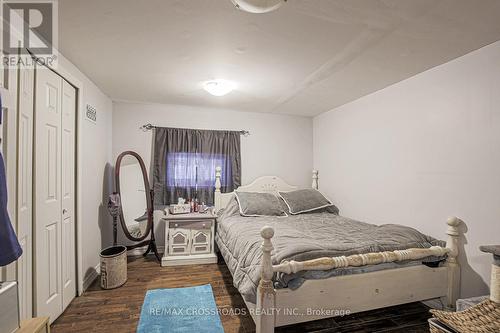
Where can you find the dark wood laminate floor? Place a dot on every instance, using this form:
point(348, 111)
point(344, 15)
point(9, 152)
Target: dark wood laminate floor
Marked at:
point(118, 310)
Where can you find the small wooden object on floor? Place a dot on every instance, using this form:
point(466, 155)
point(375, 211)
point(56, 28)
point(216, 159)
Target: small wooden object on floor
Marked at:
point(495, 271)
point(35, 325)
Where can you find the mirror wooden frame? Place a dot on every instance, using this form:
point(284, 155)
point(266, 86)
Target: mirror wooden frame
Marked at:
point(149, 206)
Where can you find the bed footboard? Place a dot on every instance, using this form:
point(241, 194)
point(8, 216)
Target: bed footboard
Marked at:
point(265, 310)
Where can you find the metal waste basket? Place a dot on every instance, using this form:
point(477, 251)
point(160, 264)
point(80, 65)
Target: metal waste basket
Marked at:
point(113, 267)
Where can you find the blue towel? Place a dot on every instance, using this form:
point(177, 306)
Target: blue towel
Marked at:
point(9, 245)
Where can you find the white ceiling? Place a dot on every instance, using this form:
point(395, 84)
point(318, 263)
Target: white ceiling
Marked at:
point(305, 58)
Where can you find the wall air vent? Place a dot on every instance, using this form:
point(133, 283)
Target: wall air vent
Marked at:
point(91, 113)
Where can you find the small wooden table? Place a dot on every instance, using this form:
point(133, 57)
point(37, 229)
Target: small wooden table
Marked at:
point(35, 325)
point(189, 239)
point(495, 271)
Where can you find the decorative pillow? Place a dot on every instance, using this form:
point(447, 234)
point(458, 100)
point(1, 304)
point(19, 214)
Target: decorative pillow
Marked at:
point(302, 201)
point(259, 204)
point(329, 209)
point(283, 205)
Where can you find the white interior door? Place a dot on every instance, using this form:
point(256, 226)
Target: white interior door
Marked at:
point(68, 193)
point(24, 189)
point(48, 206)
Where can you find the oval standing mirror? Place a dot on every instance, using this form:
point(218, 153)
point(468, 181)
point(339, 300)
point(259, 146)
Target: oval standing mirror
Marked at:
point(133, 187)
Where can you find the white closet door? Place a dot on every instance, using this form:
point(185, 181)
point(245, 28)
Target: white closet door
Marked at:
point(48, 254)
point(24, 188)
point(68, 193)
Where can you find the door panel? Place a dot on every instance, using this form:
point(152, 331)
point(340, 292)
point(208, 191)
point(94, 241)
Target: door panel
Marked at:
point(179, 241)
point(24, 278)
point(48, 206)
point(68, 192)
point(68, 243)
point(25, 185)
point(200, 241)
point(51, 160)
point(52, 260)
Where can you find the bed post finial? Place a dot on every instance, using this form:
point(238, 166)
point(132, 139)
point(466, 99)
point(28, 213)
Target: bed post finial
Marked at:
point(217, 203)
point(265, 307)
point(315, 180)
point(453, 233)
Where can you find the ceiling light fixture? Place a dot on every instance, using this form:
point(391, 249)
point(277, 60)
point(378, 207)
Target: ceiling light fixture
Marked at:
point(219, 87)
point(258, 6)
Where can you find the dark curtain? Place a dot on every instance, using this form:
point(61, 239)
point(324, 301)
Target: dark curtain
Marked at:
point(184, 162)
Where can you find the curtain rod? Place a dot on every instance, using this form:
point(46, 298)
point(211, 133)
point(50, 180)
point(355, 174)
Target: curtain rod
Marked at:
point(148, 127)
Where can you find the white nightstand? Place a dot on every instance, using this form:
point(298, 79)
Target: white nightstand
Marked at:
point(189, 239)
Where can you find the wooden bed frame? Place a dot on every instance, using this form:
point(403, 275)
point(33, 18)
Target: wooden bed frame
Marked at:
point(334, 296)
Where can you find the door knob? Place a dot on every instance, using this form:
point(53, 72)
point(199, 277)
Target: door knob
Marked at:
point(64, 211)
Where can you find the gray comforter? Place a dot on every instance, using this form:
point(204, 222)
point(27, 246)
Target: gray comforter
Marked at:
point(304, 237)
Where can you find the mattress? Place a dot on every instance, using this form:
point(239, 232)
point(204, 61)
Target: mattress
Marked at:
point(308, 236)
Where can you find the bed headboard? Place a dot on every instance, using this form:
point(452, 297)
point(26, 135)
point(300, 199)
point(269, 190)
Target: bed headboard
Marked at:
point(269, 184)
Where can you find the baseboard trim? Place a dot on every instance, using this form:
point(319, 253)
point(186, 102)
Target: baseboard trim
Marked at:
point(140, 251)
point(91, 277)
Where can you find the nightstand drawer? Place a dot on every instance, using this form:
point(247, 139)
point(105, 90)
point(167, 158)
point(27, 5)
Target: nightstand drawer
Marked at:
point(200, 241)
point(191, 224)
point(199, 249)
point(179, 250)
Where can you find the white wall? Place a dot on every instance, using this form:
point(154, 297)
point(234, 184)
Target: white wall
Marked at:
point(278, 144)
point(420, 151)
point(94, 168)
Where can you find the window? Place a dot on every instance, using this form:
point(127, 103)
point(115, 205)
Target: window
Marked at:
point(196, 170)
point(184, 164)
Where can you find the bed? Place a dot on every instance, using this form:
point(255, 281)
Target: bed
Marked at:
point(283, 285)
